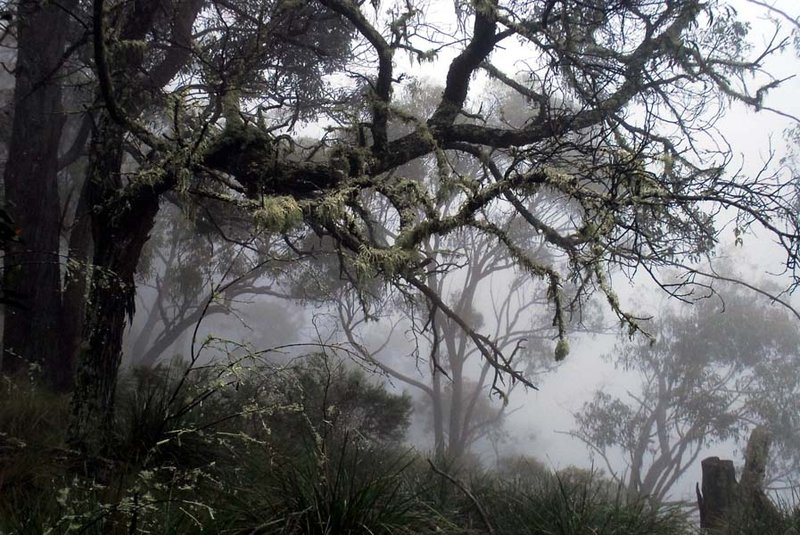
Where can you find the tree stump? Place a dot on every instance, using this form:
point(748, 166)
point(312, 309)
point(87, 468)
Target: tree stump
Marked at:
point(719, 492)
point(723, 502)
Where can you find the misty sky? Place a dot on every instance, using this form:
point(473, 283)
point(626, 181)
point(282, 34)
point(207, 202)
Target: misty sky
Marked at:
point(539, 419)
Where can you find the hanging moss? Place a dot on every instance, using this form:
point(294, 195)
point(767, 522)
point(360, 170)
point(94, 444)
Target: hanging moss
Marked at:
point(562, 349)
point(278, 214)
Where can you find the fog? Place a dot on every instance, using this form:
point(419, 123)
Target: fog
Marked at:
point(574, 301)
point(537, 422)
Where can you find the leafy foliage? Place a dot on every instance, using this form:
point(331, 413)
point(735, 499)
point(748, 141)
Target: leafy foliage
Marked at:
point(340, 401)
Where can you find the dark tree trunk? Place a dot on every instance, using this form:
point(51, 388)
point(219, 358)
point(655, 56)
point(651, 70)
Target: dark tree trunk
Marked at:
point(121, 222)
point(725, 504)
point(119, 230)
point(112, 292)
point(32, 267)
point(718, 492)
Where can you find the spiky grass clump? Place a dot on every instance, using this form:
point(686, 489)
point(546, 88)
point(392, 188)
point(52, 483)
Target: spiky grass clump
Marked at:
point(574, 506)
point(32, 456)
point(348, 486)
point(191, 462)
point(782, 517)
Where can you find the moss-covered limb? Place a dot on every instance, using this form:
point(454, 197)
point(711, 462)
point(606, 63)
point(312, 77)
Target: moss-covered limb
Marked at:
point(278, 213)
point(555, 290)
point(336, 215)
point(389, 261)
point(527, 182)
point(251, 156)
point(409, 197)
point(464, 216)
point(631, 321)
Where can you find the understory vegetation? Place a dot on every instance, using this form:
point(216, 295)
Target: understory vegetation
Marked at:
point(292, 448)
point(225, 449)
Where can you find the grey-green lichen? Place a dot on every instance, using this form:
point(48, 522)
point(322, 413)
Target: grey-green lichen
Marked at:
point(277, 213)
point(333, 206)
point(562, 349)
point(389, 261)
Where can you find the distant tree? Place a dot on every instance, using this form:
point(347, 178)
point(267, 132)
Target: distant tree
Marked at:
point(715, 370)
point(462, 399)
point(202, 264)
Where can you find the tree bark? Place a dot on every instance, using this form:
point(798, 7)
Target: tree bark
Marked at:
point(112, 291)
point(718, 492)
point(32, 266)
point(121, 223)
point(724, 504)
point(119, 230)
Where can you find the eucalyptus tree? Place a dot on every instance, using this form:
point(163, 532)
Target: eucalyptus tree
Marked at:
point(207, 98)
point(32, 264)
point(404, 336)
point(204, 261)
point(142, 57)
point(717, 369)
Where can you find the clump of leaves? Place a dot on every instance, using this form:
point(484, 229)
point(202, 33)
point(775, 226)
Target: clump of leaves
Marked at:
point(336, 400)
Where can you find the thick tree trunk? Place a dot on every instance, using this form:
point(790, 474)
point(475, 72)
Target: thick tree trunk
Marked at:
point(718, 492)
point(112, 292)
point(32, 267)
point(121, 223)
point(120, 230)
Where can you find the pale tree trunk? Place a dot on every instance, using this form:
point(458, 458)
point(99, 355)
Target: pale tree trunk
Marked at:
point(456, 446)
point(438, 416)
point(77, 278)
